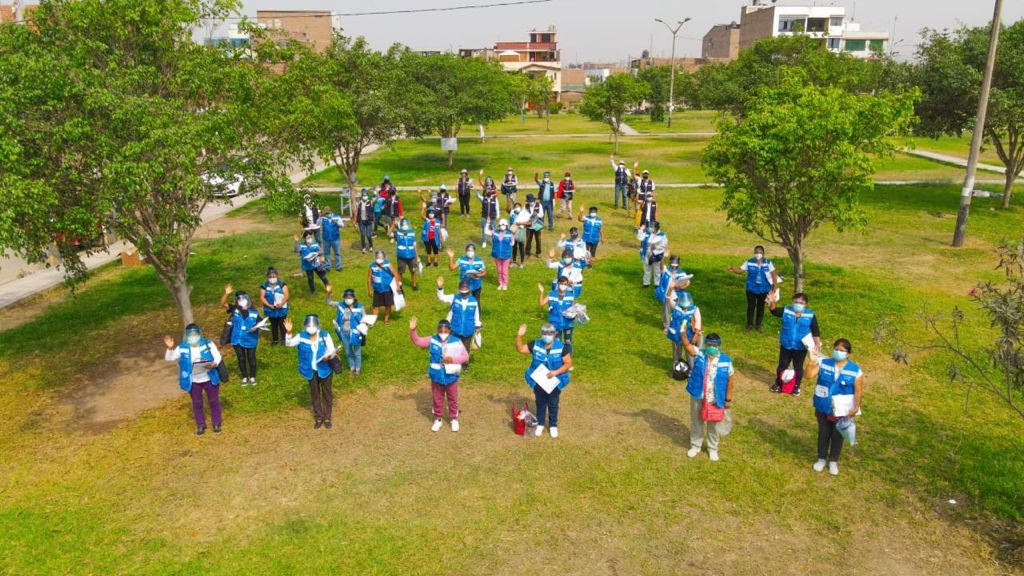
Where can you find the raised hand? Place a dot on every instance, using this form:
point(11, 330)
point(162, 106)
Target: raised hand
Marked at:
point(287, 325)
point(412, 323)
point(450, 253)
point(551, 251)
point(440, 282)
point(522, 330)
point(228, 289)
point(168, 341)
point(540, 287)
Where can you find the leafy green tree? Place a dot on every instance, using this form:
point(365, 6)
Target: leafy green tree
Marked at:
point(541, 96)
point(949, 75)
point(657, 80)
point(609, 101)
point(113, 117)
point(519, 92)
point(800, 157)
point(448, 91)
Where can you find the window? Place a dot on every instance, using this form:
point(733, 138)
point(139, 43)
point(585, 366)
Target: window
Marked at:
point(833, 44)
point(836, 21)
point(791, 24)
point(817, 24)
point(856, 45)
point(877, 46)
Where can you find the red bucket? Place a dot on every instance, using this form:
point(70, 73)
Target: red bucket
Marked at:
point(518, 422)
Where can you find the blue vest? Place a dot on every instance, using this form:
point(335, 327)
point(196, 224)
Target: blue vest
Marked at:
point(424, 232)
point(556, 307)
point(436, 369)
point(828, 385)
point(464, 316)
point(241, 326)
point(551, 358)
point(270, 295)
point(308, 263)
point(185, 364)
point(305, 349)
point(405, 245)
point(592, 229)
point(355, 317)
point(757, 279)
point(661, 290)
point(645, 187)
point(381, 277)
point(675, 325)
point(474, 265)
point(501, 245)
point(330, 228)
point(546, 191)
point(489, 208)
point(794, 330)
point(695, 386)
point(620, 176)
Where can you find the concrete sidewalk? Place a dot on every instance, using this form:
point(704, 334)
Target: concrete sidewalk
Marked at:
point(954, 160)
point(36, 282)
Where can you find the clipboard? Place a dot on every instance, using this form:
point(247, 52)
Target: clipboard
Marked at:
point(540, 376)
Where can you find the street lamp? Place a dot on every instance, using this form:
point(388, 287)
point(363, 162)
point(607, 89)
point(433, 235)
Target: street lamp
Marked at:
point(672, 78)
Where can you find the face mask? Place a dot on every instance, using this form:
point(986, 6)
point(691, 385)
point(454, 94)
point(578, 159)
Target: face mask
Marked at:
point(798, 308)
point(503, 227)
point(674, 266)
point(470, 253)
point(518, 208)
point(593, 214)
point(566, 261)
point(574, 235)
point(711, 350)
point(192, 339)
point(443, 335)
point(758, 255)
point(242, 303)
point(562, 287)
point(547, 338)
point(309, 242)
point(405, 226)
point(546, 179)
point(272, 281)
point(464, 294)
point(380, 261)
point(311, 330)
point(839, 355)
point(349, 301)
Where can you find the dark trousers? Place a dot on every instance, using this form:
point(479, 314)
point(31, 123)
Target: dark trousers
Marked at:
point(549, 207)
point(246, 361)
point(366, 235)
point(212, 397)
point(376, 221)
point(520, 249)
point(797, 357)
point(322, 392)
point(464, 204)
point(277, 329)
point(565, 335)
point(830, 441)
point(547, 406)
point(309, 278)
point(592, 248)
point(467, 341)
point(755, 301)
point(531, 236)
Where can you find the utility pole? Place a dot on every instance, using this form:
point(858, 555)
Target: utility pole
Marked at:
point(979, 130)
point(672, 78)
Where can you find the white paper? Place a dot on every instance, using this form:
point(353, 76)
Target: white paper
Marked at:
point(278, 298)
point(540, 376)
point(842, 404)
point(261, 323)
point(808, 342)
point(370, 319)
point(453, 368)
point(478, 339)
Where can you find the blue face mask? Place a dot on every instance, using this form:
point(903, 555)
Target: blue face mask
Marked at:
point(548, 338)
point(799, 308)
point(839, 355)
point(711, 350)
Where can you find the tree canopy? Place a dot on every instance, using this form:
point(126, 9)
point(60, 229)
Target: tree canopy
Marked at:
point(609, 101)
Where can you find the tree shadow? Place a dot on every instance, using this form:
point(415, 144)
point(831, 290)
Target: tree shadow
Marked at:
point(665, 425)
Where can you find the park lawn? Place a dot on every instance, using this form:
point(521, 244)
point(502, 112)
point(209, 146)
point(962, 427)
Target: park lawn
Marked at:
point(682, 121)
point(563, 123)
point(959, 146)
point(615, 494)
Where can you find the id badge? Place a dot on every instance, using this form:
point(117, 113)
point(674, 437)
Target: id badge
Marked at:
point(821, 391)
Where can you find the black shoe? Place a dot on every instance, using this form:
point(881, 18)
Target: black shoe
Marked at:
point(775, 388)
point(327, 424)
point(796, 391)
point(758, 327)
point(748, 328)
point(216, 429)
point(317, 425)
point(201, 430)
point(415, 288)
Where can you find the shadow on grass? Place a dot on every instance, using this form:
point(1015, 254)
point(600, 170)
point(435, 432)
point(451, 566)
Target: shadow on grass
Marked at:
point(668, 426)
point(422, 399)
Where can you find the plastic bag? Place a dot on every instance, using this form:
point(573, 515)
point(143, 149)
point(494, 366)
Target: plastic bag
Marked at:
point(725, 426)
point(848, 429)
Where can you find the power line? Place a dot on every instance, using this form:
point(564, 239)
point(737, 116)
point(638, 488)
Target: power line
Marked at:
point(408, 11)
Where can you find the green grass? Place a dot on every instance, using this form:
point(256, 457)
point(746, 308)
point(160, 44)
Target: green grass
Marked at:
point(682, 121)
point(959, 146)
point(379, 494)
point(563, 123)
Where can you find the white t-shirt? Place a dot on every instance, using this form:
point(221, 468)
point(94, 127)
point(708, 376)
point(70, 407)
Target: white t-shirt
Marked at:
point(767, 273)
point(710, 368)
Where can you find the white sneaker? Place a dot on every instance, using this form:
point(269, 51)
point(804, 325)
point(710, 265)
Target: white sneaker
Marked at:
point(485, 245)
point(252, 382)
point(692, 452)
point(554, 431)
point(245, 381)
point(539, 431)
point(833, 468)
point(437, 425)
point(819, 465)
point(455, 425)
point(713, 454)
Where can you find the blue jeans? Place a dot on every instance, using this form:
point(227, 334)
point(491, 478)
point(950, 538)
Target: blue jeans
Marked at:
point(622, 189)
point(549, 207)
point(547, 405)
point(353, 352)
point(366, 235)
point(333, 246)
point(483, 230)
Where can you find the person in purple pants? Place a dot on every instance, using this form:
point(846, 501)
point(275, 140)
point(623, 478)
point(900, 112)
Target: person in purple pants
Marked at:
point(198, 359)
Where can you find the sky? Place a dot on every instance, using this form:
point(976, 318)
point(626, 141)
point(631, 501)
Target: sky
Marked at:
point(614, 30)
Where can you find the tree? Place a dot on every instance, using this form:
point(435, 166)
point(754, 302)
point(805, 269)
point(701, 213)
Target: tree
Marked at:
point(448, 91)
point(519, 92)
point(657, 80)
point(949, 75)
point(114, 118)
point(541, 96)
point(610, 100)
point(800, 157)
point(996, 367)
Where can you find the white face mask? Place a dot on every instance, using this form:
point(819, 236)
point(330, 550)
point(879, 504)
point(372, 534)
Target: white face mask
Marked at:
point(349, 301)
point(380, 261)
point(470, 253)
point(192, 339)
point(272, 281)
point(758, 255)
point(503, 227)
point(443, 336)
point(405, 226)
point(593, 214)
point(562, 287)
point(243, 303)
point(311, 330)
point(309, 241)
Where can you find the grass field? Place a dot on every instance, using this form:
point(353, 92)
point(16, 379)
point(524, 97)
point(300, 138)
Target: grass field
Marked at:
point(91, 485)
point(682, 121)
point(954, 146)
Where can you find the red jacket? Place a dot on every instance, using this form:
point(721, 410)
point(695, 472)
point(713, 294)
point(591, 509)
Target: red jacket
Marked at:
point(562, 187)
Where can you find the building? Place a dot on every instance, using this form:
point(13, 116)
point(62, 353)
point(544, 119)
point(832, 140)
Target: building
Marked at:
point(10, 12)
point(538, 56)
point(721, 42)
point(313, 27)
point(574, 84)
point(685, 64)
point(233, 38)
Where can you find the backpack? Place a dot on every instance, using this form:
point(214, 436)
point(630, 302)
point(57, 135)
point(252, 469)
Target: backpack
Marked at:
point(681, 371)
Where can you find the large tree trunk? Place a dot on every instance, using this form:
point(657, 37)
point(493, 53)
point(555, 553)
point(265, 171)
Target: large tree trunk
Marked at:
point(796, 256)
point(547, 116)
point(182, 293)
point(616, 134)
point(451, 159)
point(1011, 179)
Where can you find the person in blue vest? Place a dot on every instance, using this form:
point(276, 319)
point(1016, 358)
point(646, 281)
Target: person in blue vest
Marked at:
point(379, 280)
point(348, 316)
point(673, 280)
point(556, 357)
point(710, 381)
point(837, 375)
point(405, 251)
point(274, 296)
point(683, 323)
point(431, 234)
point(646, 208)
point(568, 267)
point(315, 349)
point(378, 210)
point(330, 226)
point(447, 356)
point(798, 322)
point(502, 241)
point(471, 269)
point(546, 190)
point(488, 206)
point(310, 259)
point(622, 178)
point(593, 232)
point(574, 243)
point(245, 324)
point(464, 313)
point(559, 300)
point(653, 244)
point(197, 359)
point(443, 204)
point(761, 281)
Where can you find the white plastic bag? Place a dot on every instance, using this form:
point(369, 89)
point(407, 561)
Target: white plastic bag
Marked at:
point(399, 301)
point(725, 426)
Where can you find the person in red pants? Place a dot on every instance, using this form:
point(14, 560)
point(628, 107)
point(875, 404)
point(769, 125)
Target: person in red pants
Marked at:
point(447, 355)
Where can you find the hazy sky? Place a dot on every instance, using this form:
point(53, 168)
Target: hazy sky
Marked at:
point(612, 30)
